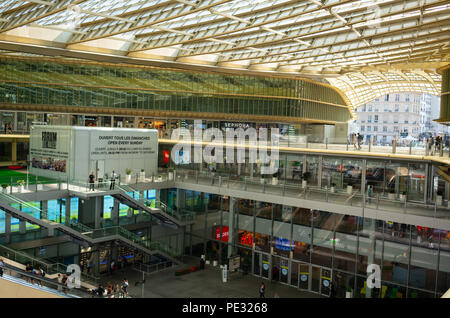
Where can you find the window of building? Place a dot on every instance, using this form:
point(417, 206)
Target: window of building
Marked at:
point(406, 121)
point(362, 128)
point(384, 128)
point(386, 98)
point(376, 119)
point(363, 108)
point(406, 108)
point(397, 97)
point(396, 128)
point(396, 108)
point(407, 98)
point(369, 128)
point(375, 128)
point(370, 108)
point(369, 119)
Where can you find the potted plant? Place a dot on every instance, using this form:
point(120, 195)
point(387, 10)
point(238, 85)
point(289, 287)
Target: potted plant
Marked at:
point(439, 197)
point(391, 194)
point(170, 174)
point(349, 188)
point(4, 188)
point(142, 175)
point(159, 178)
point(21, 185)
point(332, 189)
point(403, 196)
point(275, 178)
point(348, 293)
point(128, 175)
point(305, 177)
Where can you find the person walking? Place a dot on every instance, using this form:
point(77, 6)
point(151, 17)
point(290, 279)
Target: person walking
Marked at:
point(113, 180)
point(332, 290)
point(262, 290)
point(91, 181)
point(59, 280)
point(125, 287)
point(360, 139)
point(1, 267)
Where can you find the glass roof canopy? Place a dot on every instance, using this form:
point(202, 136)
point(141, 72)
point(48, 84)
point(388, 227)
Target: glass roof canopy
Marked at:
point(366, 48)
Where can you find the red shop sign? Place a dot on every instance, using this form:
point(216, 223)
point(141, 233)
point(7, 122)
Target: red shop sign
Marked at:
point(225, 233)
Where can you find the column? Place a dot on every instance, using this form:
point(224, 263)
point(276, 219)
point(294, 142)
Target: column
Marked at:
point(22, 224)
point(67, 211)
point(98, 212)
point(96, 260)
point(115, 212)
point(44, 216)
point(14, 150)
point(141, 200)
point(231, 225)
point(369, 226)
point(8, 228)
point(157, 195)
point(319, 172)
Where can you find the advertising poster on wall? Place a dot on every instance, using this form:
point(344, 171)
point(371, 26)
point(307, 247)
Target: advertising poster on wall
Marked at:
point(49, 151)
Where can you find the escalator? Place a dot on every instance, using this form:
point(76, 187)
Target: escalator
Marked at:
point(162, 212)
point(51, 269)
point(81, 233)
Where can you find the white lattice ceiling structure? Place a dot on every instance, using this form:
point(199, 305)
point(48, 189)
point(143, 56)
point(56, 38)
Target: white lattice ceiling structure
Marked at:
point(366, 48)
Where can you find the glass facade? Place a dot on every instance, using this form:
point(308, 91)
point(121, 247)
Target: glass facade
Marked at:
point(65, 85)
point(308, 249)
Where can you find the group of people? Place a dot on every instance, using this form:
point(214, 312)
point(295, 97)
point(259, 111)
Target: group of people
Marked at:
point(91, 180)
point(38, 272)
point(357, 140)
point(111, 291)
point(8, 128)
point(434, 144)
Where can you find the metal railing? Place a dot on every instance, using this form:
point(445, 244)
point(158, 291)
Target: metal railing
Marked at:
point(49, 268)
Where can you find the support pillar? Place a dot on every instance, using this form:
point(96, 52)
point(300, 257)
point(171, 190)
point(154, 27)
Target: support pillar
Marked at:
point(231, 226)
point(14, 151)
point(115, 212)
point(67, 211)
point(22, 224)
point(44, 216)
point(98, 212)
point(8, 228)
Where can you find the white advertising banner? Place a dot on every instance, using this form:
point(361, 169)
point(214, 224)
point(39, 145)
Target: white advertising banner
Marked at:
point(113, 145)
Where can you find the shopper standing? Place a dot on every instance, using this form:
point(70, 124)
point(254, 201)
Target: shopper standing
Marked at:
point(113, 180)
point(91, 181)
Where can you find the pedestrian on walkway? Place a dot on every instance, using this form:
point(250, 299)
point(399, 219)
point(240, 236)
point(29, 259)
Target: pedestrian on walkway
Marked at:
point(91, 181)
point(113, 180)
point(332, 290)
point(360, 140)
point(262, 290)
point(1, 267)
point(125, 287)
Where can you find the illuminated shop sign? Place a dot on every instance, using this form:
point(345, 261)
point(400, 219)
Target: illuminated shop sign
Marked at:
point(283, 244)
point(246, 239)
point(225, 233)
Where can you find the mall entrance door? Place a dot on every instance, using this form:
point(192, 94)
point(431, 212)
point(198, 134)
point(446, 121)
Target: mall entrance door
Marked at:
point(262, 265)
point(280, 269)
point(312, 278)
